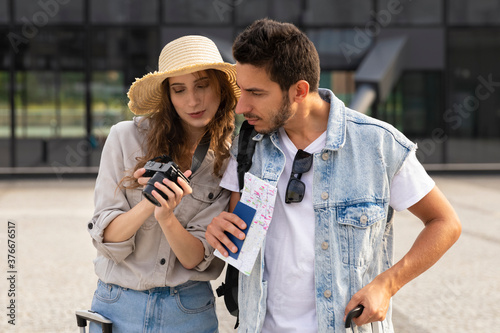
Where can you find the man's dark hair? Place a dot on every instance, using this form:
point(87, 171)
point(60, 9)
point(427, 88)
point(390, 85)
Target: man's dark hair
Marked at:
point(286, 53)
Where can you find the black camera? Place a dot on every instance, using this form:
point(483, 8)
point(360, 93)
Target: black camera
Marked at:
point(165, 168)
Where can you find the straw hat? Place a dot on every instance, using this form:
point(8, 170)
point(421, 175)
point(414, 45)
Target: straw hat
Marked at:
point(181, 56)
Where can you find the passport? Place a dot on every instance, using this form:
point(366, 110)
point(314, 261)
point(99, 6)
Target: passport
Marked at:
point(246, 213)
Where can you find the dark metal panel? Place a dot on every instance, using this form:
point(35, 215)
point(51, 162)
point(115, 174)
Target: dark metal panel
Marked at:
point(426, 47)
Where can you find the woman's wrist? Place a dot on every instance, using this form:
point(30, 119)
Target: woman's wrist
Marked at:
point(167, 221)
point(147, 205)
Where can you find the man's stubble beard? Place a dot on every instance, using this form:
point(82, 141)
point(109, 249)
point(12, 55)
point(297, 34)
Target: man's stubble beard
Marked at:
point(279, 118)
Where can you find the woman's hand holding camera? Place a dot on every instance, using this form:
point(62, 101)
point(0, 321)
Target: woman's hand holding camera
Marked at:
point(174, 194)
point(170, 189)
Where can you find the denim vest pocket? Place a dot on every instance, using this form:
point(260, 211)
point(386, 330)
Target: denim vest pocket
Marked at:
point(361, 228)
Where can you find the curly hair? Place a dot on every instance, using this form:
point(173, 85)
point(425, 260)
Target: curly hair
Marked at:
point(166, 135)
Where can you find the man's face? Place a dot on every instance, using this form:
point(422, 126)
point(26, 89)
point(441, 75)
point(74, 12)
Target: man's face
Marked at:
point(262, 101)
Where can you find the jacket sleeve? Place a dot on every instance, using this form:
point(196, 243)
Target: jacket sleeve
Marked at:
point(109, 200)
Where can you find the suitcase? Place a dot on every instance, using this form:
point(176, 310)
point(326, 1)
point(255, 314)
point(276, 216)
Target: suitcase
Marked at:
point(354, 313)
point(82, 316)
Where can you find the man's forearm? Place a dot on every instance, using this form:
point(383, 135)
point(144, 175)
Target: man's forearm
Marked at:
point(434, 240)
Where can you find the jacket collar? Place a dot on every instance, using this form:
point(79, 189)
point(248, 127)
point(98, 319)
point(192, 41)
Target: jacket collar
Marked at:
point(336, 129)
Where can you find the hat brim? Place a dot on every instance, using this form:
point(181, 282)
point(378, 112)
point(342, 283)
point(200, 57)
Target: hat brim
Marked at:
point(145, 93)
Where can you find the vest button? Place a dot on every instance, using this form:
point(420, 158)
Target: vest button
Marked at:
point(324, 195)
point(324, 245)
point(210, 195)
point(327, 294)
point(162, 261)
point(363, 219)
point(324, 156)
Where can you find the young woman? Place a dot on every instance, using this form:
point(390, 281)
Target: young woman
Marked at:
point(153, 262)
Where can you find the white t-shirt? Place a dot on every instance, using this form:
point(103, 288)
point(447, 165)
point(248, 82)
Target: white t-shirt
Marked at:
point(291, 305)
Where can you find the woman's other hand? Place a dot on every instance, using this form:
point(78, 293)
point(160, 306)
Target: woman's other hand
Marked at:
point(138, 175)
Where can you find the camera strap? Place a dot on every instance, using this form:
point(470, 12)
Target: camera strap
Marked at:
point(200, 152)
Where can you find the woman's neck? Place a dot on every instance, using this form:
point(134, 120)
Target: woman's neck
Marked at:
point(194, 136)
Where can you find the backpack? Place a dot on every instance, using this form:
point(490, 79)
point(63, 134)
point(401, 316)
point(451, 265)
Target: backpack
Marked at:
point(246, 148)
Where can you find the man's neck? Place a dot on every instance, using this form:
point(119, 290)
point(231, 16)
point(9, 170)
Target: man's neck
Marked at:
point(309, 121)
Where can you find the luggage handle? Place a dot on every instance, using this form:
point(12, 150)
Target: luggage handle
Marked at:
point(83, 315)
point(355, 313)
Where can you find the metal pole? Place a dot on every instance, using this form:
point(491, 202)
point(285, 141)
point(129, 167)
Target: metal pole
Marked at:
point(12, 86)
point(88, 76)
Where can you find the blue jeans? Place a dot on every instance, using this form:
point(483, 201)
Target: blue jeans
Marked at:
point(189, 307)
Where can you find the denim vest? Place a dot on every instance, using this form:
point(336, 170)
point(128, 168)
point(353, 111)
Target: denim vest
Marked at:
point(353, 219)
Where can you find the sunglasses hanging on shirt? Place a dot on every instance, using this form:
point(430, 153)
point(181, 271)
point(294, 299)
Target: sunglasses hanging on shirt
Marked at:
point(296, 188)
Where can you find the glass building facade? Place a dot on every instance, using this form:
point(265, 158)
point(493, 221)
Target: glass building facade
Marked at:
point(66, 66)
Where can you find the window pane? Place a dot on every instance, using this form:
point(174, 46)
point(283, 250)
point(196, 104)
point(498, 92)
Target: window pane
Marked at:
point(409, 12)
point(50, 104)
point(473, 115)
point(422, 103)
point(109, 101)
point(337, 12)
point(5, 48)
point(4, 105)
point(71, 49)
point(124, 11)
point(53, 49)
point(474, 12)
point(37, 14)
point(287, 10)
point(143, 51)
point(198, 11)
point(40, 52)
point(36, 104)
point(340, 49)
point(415, 107)
point(250, 10)
point(71, 118)
point(340, 82)
point(108, 48)
point(4, 11)
point(133, 51)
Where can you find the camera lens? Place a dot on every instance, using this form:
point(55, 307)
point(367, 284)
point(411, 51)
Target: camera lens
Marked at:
point(158, 177)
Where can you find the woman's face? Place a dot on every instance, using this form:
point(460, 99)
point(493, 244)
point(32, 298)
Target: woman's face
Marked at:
point(195, 99)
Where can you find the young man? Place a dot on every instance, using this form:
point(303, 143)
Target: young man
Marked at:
point(339, 176)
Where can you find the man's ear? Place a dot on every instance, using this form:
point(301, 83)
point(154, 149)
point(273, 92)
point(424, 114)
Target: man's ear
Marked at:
point(300, 91)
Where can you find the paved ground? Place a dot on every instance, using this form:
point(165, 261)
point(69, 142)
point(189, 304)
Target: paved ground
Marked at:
point(54, 273)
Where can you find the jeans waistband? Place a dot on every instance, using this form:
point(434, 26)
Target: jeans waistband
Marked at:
point(173, 290)
point(160, 290)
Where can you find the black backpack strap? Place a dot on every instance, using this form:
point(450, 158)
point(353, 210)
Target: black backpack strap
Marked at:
point(246, 147)
point(200, 152)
